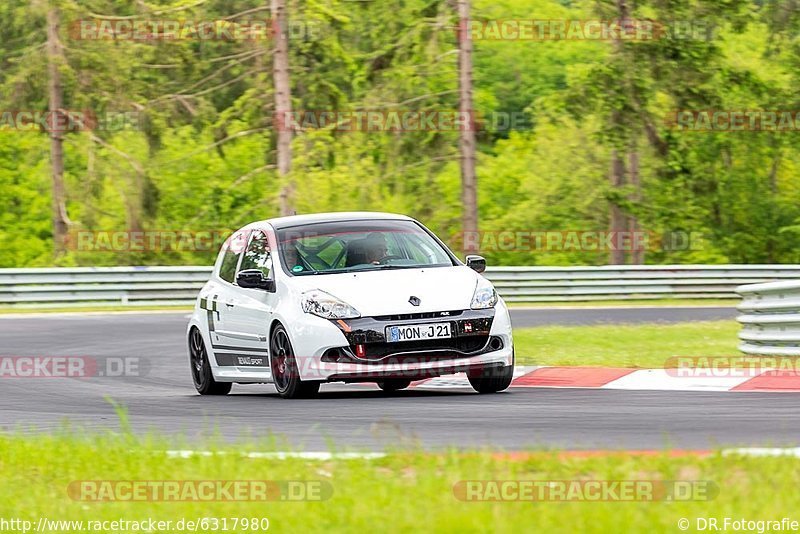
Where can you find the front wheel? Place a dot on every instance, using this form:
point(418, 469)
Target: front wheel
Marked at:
point(394, 384)
point(492, 380)
point(202, 377)
point(285, 374)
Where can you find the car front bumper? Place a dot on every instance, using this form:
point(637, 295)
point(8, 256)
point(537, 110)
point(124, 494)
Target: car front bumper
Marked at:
point(481, 342)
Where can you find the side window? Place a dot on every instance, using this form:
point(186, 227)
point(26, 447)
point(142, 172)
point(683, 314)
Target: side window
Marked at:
point(233, 249)
point(257, 255)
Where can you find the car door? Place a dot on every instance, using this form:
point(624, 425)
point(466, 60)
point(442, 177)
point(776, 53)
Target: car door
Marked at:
point(249, 311)
point(220, 296)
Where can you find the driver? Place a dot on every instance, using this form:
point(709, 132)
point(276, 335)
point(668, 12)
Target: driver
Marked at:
point(375, 247)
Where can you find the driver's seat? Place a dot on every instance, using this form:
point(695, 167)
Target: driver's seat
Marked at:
point(356, 253)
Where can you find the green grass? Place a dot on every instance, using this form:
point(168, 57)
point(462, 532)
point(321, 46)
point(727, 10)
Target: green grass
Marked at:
point(403, 492)
point(640, 345)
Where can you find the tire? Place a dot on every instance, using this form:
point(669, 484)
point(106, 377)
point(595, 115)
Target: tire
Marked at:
point(285, 374)
point(492, 380)
point(202, 377)
point(394, 384)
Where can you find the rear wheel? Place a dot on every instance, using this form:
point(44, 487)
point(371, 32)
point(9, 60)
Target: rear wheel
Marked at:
point(285, 373)
point(394, 384)
point(202, 377)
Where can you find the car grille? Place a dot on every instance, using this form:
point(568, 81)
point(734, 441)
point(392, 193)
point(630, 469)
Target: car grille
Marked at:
point(422, 315)
point(439, 348)
point(366, 337)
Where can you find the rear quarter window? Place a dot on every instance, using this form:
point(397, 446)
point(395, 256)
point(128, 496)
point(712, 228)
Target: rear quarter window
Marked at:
point(230, 257)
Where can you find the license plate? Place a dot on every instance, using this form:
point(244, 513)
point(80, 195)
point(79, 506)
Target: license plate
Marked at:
point(414, 332)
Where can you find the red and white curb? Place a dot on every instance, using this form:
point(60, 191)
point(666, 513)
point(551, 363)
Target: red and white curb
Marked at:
point(764, 380)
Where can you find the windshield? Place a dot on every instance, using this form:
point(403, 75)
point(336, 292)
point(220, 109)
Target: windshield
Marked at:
point(349, 246)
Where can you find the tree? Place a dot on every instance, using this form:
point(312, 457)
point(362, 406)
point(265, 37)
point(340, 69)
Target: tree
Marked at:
point(671, 66)
point(469, 186)
point(55, 58)
point(283, 104)
point(205, 155)
point(619, 221)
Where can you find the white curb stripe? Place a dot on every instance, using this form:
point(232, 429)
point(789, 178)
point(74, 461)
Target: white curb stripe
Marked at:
point(661, 380)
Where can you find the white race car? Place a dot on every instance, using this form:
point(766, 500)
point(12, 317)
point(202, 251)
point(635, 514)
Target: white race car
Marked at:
point(348, 297)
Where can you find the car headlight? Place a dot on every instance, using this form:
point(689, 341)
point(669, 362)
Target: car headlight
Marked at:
point(485, 296)
point(327, 306)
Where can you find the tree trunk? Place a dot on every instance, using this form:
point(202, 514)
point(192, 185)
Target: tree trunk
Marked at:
point(638, 251)
point(469, 193)
point(283, 104)
point(619, 220)
point(616, 215)
point(55, 56)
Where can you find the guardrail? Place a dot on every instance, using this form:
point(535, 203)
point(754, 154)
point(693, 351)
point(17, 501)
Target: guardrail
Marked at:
point(770, 319)
point(641, 282)
point(158, 286)
point(93, 286)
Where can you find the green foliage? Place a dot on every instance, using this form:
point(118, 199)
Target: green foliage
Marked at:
point(201, 153)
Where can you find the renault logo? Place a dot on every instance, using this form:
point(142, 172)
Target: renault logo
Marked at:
point(414, 300)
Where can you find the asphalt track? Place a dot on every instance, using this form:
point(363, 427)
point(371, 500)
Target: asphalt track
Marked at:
point(363, 418)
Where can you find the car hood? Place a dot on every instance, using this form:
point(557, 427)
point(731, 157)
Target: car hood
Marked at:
point(388, 292)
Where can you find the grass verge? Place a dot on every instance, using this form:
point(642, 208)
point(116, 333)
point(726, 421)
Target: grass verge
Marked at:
point(644, 303)
point(401, 492)
point(639, 345)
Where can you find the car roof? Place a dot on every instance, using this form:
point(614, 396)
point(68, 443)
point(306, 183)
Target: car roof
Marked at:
point(296, 220)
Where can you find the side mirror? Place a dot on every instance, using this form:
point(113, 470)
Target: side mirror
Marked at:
point(254, 279)
point(476, 263)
